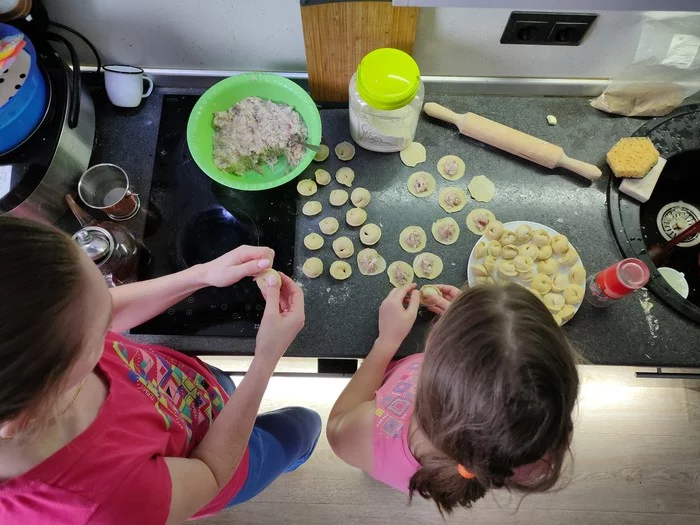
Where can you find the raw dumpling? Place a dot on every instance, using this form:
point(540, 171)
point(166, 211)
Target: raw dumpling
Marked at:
point(261, 278)
point(451, 167)
point(478, 219)
point(338, 197)
point(313, 267)
point(323, 154)
point(570, 257)
point(545, 252)
point(553, 301)
point(573, 294)
point(360, 197)
point(548, 266)
point(567, 312)
point(540, 237)
point(329, 225)
point(523, 233)
point(541, 283)
point(479, 270)
point(370, 262)
point(481, 189)
point(452, 199)
point(312, 208)
point(509, 251)
point(489, 263)
point(508, 237)
point(356, 217)
point(400, 273)
point(340, 270)
point(306, 187)
point(506, 269)
point(370, 234)
point(559, 282)
point(345, 176)
point(446, 231)
point(560, 244)
point(427, 265)
point(322, 177)
point(493, 248)
point(421, 184)
point(523, 263)
point(485, 280)
point(428, 294)
point(413, 239)
point(494, 230)
point(528, 275)
point(414, 154)
point(529, 250)
point(577, 274)
point(345, 151)
point(313, 241)
point(343, 247)
point(480, 250)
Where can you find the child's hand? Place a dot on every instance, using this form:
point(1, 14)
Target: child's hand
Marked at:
point(449, 294)
point(233, 266)
point(395, 319)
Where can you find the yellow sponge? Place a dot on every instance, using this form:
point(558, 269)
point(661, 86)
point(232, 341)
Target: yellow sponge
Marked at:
point(632, 157)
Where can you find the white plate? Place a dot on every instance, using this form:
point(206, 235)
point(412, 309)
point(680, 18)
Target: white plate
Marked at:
point(512, 225)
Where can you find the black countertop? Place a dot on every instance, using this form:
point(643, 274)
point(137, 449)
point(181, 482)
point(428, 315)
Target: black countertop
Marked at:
point(341, 316)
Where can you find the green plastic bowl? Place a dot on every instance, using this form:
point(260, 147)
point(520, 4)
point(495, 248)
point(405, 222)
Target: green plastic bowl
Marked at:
point(223, 95)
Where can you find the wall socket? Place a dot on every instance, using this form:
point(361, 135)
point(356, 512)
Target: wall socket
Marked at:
point(547, 29)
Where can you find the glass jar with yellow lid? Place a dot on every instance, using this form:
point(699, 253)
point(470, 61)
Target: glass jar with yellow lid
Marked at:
point(386, 98)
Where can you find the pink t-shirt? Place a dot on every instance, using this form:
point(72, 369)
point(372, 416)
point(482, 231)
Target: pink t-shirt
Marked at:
point(160, 404)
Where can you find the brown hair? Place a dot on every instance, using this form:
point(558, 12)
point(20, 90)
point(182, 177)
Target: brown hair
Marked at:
point(40, 279)
point(496, 392)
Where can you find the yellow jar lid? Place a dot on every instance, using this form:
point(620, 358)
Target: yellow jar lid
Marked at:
point(388, 78)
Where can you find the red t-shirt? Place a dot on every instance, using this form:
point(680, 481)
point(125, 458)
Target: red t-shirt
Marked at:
point(160, 404)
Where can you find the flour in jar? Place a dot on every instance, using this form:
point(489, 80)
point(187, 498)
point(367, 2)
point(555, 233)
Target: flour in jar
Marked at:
point(384, 131)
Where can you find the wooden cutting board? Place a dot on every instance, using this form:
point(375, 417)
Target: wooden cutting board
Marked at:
point(338, 34)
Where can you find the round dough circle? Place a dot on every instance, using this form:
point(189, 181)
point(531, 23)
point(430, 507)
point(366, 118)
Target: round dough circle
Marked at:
point(509, 252)
point(322, 177)
point(323, 154)
point(345, 151)
point(312, 208)
point(421, 184)
point(370, 262)
point(573, 294)
point(414, 154)
point(370, 234)
point(313, 241)
point(478, 219)
point(452, 199)
point(481, 189)
point(427, 265)
point(494, 230)
point(338, 197)
point(343, 247)
point(400, 273)
point(261, 278)
point(451, 167)
point(329, 225)
point(306, 187)
point(413, 239)
point(345, 176)
point(428, 294)
point(356, 216)
point(340, 270)
point(548, 266)
point(360, 197)
point(577, 274)
point(313, 267)
point(541, 283)
point(529, 250)
point(446, 231)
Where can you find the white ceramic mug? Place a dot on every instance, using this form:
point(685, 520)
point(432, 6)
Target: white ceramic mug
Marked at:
point(125, 85)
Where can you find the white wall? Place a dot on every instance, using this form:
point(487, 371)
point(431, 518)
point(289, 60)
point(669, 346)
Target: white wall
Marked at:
point(267, 35)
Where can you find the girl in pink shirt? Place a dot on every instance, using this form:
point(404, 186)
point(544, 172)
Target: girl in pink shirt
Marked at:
point(97, 429)
point(487, 405)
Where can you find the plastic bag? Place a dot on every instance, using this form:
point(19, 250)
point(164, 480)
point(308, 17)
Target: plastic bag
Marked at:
point(664, 73)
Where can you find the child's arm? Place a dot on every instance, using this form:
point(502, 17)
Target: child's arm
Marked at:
point(350, 421)
point(136, 303)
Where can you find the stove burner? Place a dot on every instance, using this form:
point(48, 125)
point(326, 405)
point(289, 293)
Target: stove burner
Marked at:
point(675, 217)
point(212, 233)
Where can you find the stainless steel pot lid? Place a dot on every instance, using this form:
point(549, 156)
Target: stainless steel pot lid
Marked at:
point(96, 242)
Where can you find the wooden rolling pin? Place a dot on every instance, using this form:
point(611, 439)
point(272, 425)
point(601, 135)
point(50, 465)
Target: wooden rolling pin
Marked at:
point(513, 141)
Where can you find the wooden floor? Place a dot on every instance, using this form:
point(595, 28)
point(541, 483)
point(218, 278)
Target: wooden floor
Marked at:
point(636, 461)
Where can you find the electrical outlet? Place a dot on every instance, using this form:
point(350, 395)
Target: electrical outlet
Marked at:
point(547, 29)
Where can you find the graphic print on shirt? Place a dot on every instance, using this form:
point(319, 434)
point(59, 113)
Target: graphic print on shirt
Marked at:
point(186, 394)
point(394, 410)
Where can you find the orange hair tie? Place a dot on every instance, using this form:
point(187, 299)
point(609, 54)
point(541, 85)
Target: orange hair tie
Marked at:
point(465, 473)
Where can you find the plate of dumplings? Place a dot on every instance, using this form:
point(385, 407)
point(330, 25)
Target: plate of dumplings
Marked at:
point(534, 256)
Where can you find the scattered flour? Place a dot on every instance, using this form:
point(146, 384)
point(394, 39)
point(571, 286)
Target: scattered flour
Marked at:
point(647, 305)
